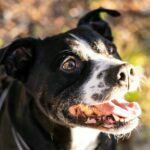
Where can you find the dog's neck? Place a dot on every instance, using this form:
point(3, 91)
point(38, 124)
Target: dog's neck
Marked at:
point(29, 130)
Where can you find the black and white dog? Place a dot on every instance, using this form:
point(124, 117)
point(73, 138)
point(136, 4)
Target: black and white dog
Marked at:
point(64, 90)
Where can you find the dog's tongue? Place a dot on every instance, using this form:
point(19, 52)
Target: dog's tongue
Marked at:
point(120, 108)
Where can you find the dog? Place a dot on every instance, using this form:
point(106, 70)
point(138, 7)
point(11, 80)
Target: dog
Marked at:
point(66, 92)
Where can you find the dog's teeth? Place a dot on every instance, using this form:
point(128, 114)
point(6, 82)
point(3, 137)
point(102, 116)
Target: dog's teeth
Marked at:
point(108, 125)
point(122, 120)
point(90, 121)
point(116, 118)
point(103, 118)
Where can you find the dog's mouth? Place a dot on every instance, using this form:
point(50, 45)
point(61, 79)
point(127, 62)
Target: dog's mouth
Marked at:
point(108, 115)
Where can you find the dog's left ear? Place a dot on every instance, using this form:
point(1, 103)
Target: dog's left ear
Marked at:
point(18, 57)
point(94, 20)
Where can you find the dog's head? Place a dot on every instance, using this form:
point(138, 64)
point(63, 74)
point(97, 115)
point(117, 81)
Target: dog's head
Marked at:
point(77, 78)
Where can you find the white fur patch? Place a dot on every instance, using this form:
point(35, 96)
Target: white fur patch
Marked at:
point(84, 138)
point(84, 50)
point(94, 82)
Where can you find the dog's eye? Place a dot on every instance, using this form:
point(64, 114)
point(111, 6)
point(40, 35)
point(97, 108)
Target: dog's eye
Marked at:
point(111, 49)
point(69, 65)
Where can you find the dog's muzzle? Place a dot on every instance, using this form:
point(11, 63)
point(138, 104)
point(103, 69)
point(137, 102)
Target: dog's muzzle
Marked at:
point(114, 112)
point(122, 75)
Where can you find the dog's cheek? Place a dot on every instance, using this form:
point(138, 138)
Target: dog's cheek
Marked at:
point(94, 89)
point(97, 87)
point(60, 82)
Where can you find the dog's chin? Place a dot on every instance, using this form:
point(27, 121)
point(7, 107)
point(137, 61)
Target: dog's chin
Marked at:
point(113, 116)
point(126, 128)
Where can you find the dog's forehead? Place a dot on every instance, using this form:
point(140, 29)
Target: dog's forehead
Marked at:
point(87, 43)
point(86, 50)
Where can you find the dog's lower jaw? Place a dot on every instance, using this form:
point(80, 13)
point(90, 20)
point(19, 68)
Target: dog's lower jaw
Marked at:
point(124, 130)
point(87, 138)
point(112, 117)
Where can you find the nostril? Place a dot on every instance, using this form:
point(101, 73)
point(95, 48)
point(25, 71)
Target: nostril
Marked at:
point(121, 76)
point(132, 73)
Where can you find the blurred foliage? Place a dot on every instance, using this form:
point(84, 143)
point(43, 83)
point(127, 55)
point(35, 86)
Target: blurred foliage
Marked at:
point(40, 18)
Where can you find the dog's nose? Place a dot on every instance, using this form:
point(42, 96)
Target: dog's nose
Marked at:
point(125, 73)
point(122, 74)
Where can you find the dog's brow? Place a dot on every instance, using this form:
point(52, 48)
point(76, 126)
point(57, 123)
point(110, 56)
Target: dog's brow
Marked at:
point(84, 50)
point(99, 46)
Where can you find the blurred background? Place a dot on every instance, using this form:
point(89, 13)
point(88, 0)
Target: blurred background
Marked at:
point(42, 18)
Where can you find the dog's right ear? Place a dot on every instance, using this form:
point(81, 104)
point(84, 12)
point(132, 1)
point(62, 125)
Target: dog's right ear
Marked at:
point(94, 20)
point(18, 57)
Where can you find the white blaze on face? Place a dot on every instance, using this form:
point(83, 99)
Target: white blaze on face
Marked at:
point(100, 64)
point(95, 84)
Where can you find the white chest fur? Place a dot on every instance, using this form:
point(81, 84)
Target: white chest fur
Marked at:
point(84, 138)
